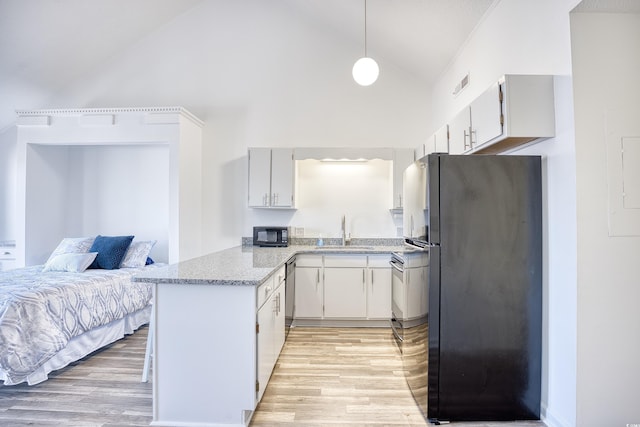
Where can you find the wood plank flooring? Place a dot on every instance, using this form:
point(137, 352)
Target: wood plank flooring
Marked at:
point(343, 377)
point(338, 376)
point(103, 389)
point(324, 377)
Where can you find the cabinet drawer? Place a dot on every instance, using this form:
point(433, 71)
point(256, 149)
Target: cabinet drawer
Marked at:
point(308, 260)
point(265, 290)
point(278, 277)
point(379, 261)
point(345, 260)
point(7, 252)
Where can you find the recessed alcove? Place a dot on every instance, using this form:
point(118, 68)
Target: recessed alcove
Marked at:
point(112, 172)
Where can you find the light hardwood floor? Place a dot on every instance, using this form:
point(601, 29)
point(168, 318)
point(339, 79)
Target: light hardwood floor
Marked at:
point(324, 377)
point(343, 377)
point(103, 389)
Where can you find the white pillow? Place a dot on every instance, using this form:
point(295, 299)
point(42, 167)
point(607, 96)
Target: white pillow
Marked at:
point(72, 245)
point(75, 263)
point(137, 254)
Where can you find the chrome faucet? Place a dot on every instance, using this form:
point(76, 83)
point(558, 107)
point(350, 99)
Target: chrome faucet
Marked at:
point(343, 242)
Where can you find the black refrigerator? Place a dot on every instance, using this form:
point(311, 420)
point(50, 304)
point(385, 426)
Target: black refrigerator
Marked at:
point(479, 356)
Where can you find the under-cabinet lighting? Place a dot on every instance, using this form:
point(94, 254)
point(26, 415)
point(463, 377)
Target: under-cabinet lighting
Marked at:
point(360, 160)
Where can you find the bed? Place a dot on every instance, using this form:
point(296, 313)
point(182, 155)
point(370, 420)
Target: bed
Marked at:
point(52, 317)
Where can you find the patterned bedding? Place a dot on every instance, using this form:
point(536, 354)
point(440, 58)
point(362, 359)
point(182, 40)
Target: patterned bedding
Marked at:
point(41, 311)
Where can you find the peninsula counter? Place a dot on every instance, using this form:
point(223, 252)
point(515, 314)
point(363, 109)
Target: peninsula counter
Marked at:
point(206, 364)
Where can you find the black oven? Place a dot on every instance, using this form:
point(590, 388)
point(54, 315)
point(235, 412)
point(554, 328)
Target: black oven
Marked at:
point(270, 236)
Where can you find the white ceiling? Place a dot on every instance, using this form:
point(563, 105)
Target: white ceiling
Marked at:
point(45, 44)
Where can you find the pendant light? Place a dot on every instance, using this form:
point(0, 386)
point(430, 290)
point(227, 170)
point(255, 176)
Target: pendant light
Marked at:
point(365, 70)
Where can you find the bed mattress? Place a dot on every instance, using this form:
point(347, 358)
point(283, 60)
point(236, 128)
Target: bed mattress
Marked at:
point(40, 312)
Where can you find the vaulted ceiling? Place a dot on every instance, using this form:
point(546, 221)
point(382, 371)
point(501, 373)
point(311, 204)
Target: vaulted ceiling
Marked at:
point(45, 45)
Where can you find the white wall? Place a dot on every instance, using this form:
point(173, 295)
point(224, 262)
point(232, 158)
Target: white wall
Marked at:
point(606, 64)
point(360, 191)
point(90, 190)
point(525, 37)
point(8, 184)
point(259, 74)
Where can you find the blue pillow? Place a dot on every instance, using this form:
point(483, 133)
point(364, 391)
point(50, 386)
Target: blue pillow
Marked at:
point(111, 251)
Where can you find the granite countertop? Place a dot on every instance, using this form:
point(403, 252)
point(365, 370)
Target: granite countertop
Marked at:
point(246, 265)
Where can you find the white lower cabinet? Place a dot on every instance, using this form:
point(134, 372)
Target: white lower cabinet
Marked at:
point(309, 287)
point(269, 329)
point(345, 290)
point(379, 287)
point(343, 287)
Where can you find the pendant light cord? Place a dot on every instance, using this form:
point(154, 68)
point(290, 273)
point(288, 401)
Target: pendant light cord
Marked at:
point(365, 28)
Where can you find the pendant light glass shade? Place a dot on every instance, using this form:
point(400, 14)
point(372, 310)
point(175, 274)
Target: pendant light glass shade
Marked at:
point(365, 71)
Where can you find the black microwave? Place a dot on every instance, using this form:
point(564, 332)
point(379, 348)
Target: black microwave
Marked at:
point(270, 236)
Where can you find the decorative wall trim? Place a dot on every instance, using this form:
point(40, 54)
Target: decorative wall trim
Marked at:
point(100, 111)
point(97, 120)
point(34, 120)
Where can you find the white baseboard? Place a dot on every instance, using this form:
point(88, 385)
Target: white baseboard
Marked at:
point(552, 420)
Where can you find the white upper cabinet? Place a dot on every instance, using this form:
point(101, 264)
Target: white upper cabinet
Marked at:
point(402, 158)
point(486, 116)
point(271, 178)
point(259, 176)
point(459, 132)
point(438, 142)
point(515, 110)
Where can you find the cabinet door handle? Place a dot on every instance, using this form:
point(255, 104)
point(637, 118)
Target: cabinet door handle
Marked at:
point(372, 278)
